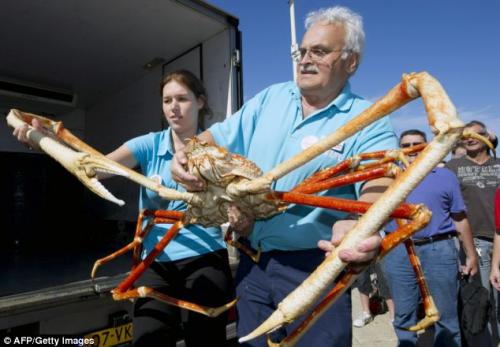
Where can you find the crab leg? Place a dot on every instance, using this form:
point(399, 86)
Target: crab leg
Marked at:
point(124, 290)
point(86, 162)
point(143, 265)
point(421, 217)
point(440, 110)
point(431, 311)
point(355, 162)
point(147, 292)
point(344, 205)
point(442, 116)
point(228, 238)
point(140, 232)
point(384, 170)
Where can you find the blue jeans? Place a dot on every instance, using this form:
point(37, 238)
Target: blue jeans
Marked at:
point(260, 287)
point(440, 264)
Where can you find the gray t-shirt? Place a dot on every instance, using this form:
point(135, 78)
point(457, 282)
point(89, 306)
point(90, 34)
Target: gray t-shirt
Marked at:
point(478, 184)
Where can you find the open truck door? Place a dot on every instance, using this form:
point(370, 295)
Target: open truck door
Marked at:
point(96, 66)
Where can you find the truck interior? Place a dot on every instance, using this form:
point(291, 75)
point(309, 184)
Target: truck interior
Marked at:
point(96, 66)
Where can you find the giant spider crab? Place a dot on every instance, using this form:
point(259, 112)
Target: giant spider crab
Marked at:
point(231, 179)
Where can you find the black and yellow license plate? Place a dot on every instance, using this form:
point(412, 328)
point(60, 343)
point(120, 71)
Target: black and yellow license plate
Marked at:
point(111, 337)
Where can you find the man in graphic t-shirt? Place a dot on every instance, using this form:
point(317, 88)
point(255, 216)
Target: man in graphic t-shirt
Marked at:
point(479, 175)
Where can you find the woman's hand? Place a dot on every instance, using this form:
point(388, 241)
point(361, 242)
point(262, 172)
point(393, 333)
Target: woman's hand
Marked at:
point(21, 133)
point(181, 176)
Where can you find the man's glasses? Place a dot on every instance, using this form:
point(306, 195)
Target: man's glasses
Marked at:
point(410, 144)
point(316, 54)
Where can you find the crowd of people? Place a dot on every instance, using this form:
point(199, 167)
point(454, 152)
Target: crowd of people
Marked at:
point(194, 266)
point(461, 241)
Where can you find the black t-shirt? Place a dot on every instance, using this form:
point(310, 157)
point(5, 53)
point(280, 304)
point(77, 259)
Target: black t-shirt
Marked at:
point(478, 184)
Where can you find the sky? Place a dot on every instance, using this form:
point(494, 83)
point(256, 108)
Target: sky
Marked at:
point(456, 41)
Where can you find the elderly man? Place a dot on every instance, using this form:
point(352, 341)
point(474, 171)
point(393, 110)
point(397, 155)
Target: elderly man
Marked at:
point(278, 123)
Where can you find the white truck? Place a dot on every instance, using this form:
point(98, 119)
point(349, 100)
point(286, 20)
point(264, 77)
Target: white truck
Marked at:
point(96, 66)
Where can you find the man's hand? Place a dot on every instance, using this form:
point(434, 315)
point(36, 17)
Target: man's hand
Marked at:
point(495, 277)
point(363, 252)
point(180, 175)
point(470, 268)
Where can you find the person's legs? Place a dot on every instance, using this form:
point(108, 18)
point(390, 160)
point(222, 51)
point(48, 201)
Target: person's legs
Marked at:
point(204, 280)
point(440, 264)
point(485, 249)
point(253, 288)
point(260, 288)
point(363, 283)
point(208, 282)
point(384, 290)
point(155, 322)
point(402, 284)
point(391, 308)
point(288, 270)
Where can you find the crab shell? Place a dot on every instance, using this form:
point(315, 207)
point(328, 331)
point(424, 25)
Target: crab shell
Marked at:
point(221, 170)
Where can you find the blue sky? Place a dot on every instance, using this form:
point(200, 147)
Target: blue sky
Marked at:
point(456, 41)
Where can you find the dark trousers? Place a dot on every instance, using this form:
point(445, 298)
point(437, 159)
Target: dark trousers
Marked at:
point(260, 287)
point(204, 280)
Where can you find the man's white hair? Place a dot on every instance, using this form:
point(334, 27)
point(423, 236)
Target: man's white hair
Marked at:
point(350, 20)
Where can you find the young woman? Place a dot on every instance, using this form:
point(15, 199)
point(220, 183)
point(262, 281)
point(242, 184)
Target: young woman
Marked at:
point(194, 266)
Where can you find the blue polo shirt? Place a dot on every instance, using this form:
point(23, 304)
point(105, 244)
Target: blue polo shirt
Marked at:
point(270, 129)
point(440, 192)
point(154, 153)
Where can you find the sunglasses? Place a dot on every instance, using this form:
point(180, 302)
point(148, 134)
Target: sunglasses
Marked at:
point(410, 144)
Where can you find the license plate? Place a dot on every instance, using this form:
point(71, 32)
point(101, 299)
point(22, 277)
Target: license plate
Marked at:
point(111, 337)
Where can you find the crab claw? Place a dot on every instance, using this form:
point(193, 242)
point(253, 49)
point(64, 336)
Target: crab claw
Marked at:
point(473, 135)
point(84, 166)
point(275, 321)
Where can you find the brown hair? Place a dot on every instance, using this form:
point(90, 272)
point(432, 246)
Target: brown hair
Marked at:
point(190, 81)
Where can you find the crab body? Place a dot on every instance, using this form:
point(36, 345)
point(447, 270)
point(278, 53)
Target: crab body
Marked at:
point(221, 171)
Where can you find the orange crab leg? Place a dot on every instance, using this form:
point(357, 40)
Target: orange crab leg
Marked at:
point(167, 217)
point(347, 164)
point(123, 291)
point(431, 312)
point(143, 265)
point(147, 292)
point(420, 219)
point(228, 238)
point(385, 170)
point(327, 174)
point(345, 205)
point(344, 282)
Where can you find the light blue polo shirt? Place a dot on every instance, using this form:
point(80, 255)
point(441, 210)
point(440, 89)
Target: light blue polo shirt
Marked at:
point(154, 153)
point(269, 129)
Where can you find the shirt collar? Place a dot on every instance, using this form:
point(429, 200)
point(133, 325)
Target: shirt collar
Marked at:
point(166, 145)
point(342, 102)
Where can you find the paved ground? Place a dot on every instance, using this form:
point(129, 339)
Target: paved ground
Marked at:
point(379, 333)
